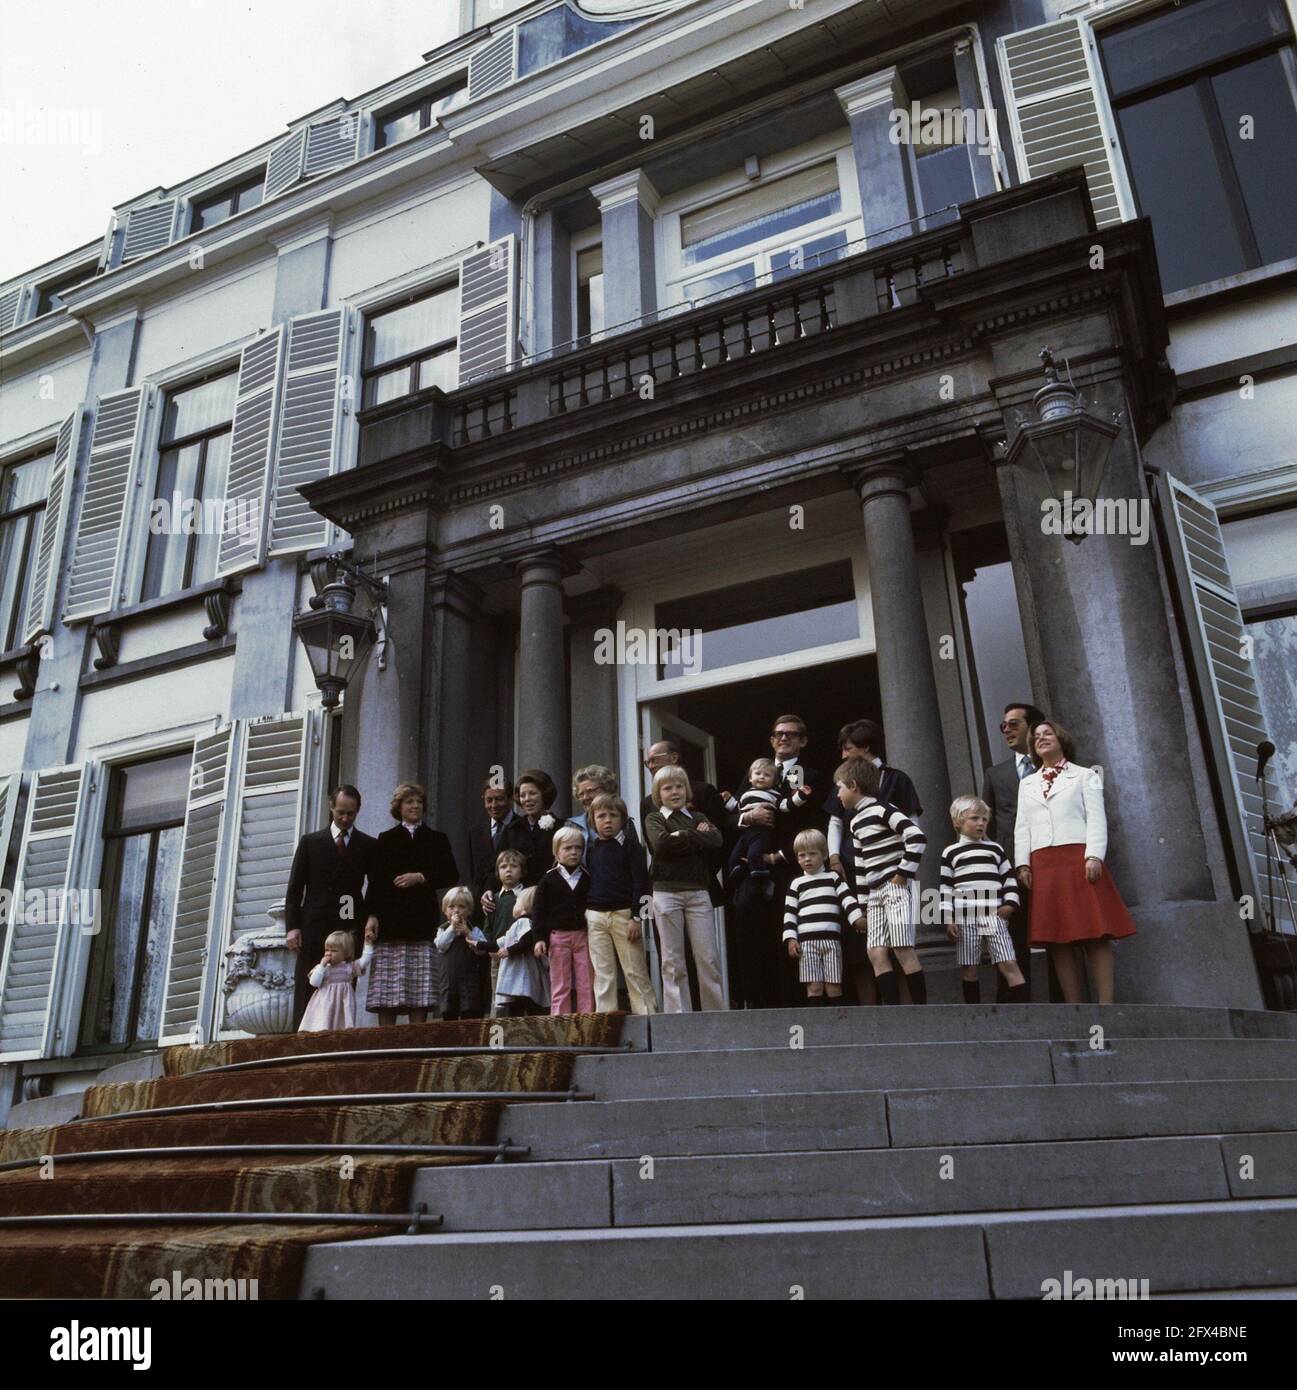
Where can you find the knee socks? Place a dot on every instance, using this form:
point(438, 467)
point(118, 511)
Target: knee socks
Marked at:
point(887, 990)
point(972, 991)
point(918, 987)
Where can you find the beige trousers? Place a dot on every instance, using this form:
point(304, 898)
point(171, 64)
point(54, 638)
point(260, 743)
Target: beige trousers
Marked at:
point(610, 942)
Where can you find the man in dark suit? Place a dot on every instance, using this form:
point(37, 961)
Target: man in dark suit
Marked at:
point(1000, 792)
point(486, 839)
point(327, 889)
point(769, 975)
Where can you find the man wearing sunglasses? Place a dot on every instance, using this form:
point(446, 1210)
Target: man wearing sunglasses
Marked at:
point(1000, 792)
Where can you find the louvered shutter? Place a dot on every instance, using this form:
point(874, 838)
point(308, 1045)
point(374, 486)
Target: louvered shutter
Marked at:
point(35, 948)
point(494, 65)
point(49, 553)
point(190, 973)
point(269, 819)
point(247, 487)
point(310, 426)
point(102, 523)
point(284, 167)
point(331, 144)
point(1059, 111)
point(487, 309)
point(1222, 666)
point(13, 307)
point(149, 229)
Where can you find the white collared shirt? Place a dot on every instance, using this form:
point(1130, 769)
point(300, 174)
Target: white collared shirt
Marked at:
point(340, 834)
point(411, 828)
point(573, 878)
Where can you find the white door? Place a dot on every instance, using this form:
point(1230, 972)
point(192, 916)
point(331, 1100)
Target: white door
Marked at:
point(698, 755)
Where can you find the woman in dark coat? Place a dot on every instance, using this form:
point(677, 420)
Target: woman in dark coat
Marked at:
point(414, 864)
point(531, 832)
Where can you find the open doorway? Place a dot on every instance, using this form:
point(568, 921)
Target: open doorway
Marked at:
point(739, 717)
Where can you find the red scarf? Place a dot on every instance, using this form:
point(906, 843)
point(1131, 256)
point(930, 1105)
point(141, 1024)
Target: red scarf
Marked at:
point(1048, 774)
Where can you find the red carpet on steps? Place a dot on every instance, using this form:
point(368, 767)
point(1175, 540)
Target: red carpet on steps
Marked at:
point(124, 1260)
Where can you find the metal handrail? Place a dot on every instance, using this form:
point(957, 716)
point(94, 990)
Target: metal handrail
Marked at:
point(567, 1049)
point(498, 1151)
point(412, 1221)
point(357, 1098)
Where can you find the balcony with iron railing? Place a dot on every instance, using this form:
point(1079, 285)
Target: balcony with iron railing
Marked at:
point(636, 359)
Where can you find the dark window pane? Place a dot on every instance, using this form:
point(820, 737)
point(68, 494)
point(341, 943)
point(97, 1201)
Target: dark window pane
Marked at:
point(164, 562)
point(153, 791)
point(113, 974)
point(449, 98)
point(387, 386)
point(251, 196)
point(50, 293)
point(210, 213)
point(1194, 230)
point(25, 483)
point(399, 126)
point(1189, 36)
point(156, 931)
point(440, 370)
point(18, 540)
point(1266, 164)
point(204, 407)
point(945, 178)
point(822, 250)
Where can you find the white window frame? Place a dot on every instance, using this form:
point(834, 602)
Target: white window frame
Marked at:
point(674, 274)
point(418, 285)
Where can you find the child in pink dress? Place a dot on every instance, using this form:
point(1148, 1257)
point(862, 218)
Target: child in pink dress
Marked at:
point(333, 1005)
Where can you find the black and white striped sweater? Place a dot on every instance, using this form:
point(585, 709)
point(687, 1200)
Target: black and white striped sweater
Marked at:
point(886, 842)
point(976, 881)
point(816, 906)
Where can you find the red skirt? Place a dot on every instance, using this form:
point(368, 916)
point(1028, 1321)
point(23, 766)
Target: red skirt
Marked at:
point(1065, 907)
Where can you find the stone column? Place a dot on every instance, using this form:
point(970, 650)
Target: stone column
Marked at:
point(884, 171)
point(910, 711)
point(627, 205)
point(544, 735)
point(1109, 669)
point(551, 283)
point(453, 604)
point(594, 686)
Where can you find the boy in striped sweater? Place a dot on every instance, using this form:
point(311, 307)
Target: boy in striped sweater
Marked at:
point(887, 846)
point(978, 895)
point(817, 907)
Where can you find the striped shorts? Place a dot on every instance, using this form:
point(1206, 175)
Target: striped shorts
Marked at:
point(990, 930)
point(820, 962)
point(890, 917)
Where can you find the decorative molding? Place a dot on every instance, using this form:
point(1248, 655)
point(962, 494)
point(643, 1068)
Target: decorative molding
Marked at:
point(108, 638)
point(162, 661)
point(27, 666)
point(880, 89)
point(634, 186)
point(219, 603)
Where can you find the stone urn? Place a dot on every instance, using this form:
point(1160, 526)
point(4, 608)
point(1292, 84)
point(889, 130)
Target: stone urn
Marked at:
point(259, 971)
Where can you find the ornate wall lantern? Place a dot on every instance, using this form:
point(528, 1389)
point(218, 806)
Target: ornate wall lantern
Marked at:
point(1070, 446)
point(336, 640)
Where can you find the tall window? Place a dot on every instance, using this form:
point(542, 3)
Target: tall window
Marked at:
point(1205, 96)
point(769, 231)
point(142, 841)
point(185, 525)
point(941, 160)
point(589, 292)
point(219, 207)
point(412, 347)
point(403, 121)
point(23, 490)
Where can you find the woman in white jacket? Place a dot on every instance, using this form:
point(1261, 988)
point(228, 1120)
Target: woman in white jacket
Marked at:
point(1060, 839)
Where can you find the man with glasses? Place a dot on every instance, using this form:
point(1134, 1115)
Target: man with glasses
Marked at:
point(1000, 792)
point(768, 977)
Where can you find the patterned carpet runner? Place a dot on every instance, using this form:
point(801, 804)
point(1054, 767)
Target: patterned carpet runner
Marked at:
point(122, 1260)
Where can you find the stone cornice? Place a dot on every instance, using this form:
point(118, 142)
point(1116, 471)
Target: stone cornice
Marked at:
point(634, 186)
point(884, 88)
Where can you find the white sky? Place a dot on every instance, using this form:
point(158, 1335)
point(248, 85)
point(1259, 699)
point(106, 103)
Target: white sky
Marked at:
point(138, 94)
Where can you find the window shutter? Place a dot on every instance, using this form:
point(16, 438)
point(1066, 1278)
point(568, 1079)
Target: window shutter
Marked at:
point(1221, 663)
point(149, 229)
point(487, 309)
point(247, 488)
point(331, 144)
point(268, 819)
point(310, 426)
point(190, 976)
point(13, 307)
point(35, 948)
point(10, 790)
point(49, 553)
point(1059, 111)
point(97, 550)
point(284, 166)
point(494, 65)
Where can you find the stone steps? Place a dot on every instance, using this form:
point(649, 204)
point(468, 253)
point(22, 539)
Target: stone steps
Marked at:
point(1177, 1247)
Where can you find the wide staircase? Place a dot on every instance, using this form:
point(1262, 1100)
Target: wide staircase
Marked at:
point(943, 1152)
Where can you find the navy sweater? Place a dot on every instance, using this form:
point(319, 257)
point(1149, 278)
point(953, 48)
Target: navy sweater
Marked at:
point(618, 876)
point(556, 907)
